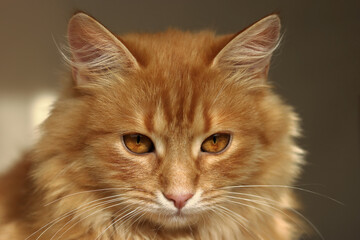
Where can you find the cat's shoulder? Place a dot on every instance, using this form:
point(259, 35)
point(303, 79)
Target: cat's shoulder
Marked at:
point(13, 188)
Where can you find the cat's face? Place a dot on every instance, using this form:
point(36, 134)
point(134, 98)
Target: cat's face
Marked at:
point(175, 144)
point(173, 120)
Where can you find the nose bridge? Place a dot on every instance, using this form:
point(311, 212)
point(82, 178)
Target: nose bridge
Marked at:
point(179, 174)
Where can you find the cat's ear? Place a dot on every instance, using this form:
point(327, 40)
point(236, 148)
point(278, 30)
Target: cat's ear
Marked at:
point(96, 52)
point(248, 53)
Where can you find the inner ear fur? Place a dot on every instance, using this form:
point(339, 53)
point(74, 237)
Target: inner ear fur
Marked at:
point(96, 51)
point(250, 51)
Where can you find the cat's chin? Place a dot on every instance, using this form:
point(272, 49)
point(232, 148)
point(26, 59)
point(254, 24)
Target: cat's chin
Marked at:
point(175, 220)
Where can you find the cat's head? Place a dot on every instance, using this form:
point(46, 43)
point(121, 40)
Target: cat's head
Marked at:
point(171, 121)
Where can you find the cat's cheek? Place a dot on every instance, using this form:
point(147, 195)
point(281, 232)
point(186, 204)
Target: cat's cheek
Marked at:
point(207, 161)
point(236, 164)
point(133, 170)
point(121, 165)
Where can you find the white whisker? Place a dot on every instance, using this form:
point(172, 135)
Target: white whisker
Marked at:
point(283, 186)
point(58, 219)
point(117, 220)
point(273, 202)
point(229, 213)
point(89, 210)
point(82, 192)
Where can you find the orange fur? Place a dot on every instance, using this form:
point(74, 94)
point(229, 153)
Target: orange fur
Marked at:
point(177, 88)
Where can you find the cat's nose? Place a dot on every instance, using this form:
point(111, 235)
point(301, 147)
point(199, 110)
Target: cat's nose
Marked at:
point(179, 200)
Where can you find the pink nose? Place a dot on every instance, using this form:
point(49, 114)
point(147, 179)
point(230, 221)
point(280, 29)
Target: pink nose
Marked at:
point(179, 200)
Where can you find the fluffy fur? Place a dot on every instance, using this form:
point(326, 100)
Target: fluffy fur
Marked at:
point(80, 182)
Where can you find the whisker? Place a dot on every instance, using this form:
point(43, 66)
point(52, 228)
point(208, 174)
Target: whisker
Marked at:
point(284, 186)
point(191, 231)
point(56, 220)
point(95, 206)
point(241, 217)
point(159, 227)
point(229, 213)
point(137, 225)
point(250, 206)
point(133, 222)
point(113, 223)
point(117, 220)
point(272, 202)
point(89, 191)
point(74, 224)
point(130, 217)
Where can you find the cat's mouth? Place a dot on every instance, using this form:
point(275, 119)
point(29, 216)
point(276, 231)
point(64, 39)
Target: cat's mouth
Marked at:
point(178, 219)
point(180, 215)
point(175, 219)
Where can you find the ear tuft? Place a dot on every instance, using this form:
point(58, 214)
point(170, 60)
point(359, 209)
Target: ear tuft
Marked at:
point(96, 52)
point(249, 52)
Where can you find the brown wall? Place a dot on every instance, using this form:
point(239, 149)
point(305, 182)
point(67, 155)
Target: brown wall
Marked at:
point(316, 69)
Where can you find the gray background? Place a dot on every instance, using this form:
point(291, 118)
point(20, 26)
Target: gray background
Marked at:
point(316, 70)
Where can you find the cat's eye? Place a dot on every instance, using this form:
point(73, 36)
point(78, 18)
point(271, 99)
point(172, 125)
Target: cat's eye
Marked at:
point(138, 143)
point(215, 143)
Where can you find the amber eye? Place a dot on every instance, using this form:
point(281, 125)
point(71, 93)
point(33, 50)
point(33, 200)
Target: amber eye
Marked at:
point(215, 143)
point(138, 143)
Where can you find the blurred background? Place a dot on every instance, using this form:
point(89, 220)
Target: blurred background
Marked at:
point(316, 70)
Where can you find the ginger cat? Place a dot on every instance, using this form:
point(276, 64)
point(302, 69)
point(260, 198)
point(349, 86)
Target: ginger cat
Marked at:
point(173, 135)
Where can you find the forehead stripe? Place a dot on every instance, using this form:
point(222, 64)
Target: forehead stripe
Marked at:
point(166, 104)
point(207, 119)
point(149, 121)
point(193, 103)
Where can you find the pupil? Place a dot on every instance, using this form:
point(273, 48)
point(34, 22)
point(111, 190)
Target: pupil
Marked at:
point(137, 139)
point(214, 139)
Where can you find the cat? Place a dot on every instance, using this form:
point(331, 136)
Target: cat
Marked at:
point(172, 135)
